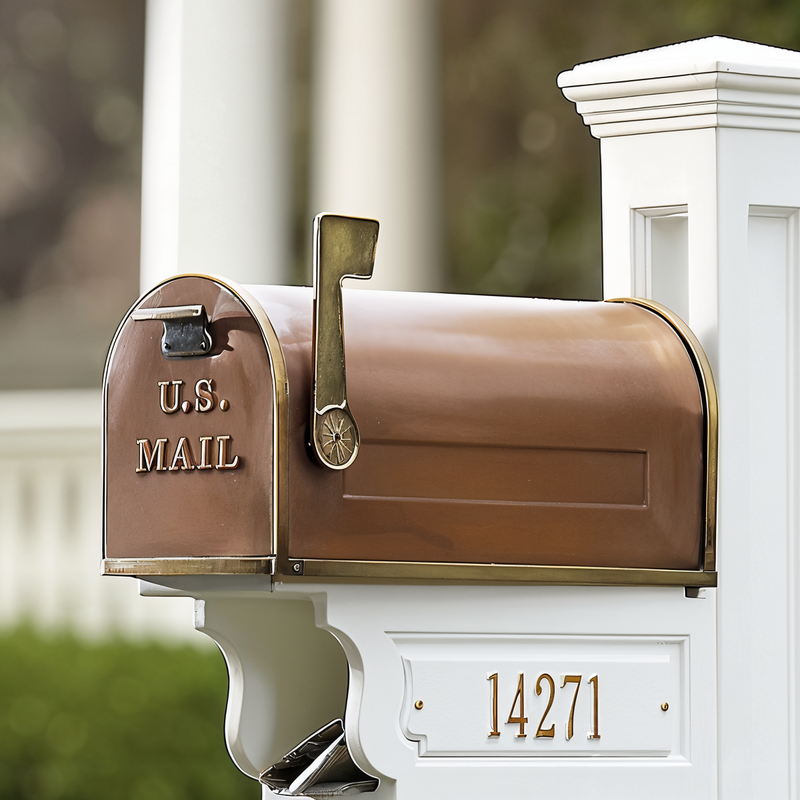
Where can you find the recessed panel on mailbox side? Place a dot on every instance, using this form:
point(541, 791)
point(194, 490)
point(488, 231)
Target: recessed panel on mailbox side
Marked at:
point(189, 440)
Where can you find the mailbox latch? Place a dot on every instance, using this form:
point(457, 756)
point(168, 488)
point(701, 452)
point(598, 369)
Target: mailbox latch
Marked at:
point(185, 329)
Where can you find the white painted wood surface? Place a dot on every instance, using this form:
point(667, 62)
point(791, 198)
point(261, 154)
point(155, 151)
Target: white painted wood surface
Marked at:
point(216, 180)
point(300, 679)
point(375, 131)
point(544, 683)
point(713, 126)
point(216, 171)
point(459, 633)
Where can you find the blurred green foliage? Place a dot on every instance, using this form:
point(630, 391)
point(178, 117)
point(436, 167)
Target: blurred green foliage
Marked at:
point(113, 720)
point(521, 172)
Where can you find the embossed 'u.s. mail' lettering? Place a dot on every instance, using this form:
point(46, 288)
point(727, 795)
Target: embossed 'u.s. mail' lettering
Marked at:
point(204, 452)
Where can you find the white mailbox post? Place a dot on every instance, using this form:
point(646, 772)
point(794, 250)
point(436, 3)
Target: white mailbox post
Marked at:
point(700, 148)
point(484, 689)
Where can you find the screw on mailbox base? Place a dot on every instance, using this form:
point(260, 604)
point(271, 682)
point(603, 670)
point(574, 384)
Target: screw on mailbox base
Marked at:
point(297, 567)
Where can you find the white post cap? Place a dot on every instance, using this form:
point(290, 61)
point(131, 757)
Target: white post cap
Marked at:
point(704, 83)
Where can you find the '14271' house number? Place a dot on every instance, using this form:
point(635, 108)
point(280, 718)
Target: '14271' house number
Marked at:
point(544, 683)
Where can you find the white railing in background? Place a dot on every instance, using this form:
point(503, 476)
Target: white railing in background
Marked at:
point(50, 527)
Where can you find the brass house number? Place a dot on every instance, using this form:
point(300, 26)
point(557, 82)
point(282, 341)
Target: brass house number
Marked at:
point(544, 684)
point(207, 452)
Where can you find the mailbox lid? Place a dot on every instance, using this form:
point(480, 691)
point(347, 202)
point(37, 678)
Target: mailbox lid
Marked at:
point(498, 431)
point(203, 499)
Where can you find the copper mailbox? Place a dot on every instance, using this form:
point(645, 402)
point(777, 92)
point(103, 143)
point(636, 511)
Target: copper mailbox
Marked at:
point(501, 439)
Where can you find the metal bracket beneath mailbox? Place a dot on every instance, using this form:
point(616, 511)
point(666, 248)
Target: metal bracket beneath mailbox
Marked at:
point(185, 329)
point(320, 766)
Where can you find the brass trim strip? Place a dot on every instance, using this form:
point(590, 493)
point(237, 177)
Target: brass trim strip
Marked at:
point(505, 573)
point(708, 393)
point(167, 312)
point(280, 428)
point(188, 566)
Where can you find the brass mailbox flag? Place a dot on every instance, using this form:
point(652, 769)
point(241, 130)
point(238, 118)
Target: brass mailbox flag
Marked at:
point(344, 247)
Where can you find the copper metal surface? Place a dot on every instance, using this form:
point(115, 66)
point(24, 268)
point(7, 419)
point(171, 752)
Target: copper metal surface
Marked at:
point(499, 431)
point(213, 510)
point(502, 439)
point(711, 414)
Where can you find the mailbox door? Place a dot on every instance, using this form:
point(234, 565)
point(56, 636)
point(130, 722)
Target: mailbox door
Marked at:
point(191, 442)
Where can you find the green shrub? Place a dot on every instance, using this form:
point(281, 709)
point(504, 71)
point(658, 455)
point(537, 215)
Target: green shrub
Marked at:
point(112, 721)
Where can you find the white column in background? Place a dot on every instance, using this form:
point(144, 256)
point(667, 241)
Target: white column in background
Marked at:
point(708, 133)
point(216, 183)
point(375, 130)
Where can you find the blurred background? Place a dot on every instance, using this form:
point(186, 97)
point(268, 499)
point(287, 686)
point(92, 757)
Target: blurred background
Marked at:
point(103, 693)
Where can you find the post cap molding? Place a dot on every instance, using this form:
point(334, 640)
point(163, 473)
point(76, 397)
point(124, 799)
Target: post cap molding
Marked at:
point(704, 83)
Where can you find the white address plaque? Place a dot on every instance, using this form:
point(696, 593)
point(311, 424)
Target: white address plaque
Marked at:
point(502, 695)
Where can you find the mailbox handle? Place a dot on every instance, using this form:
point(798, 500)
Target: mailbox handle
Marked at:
point(185, 329)
point(344, 247)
